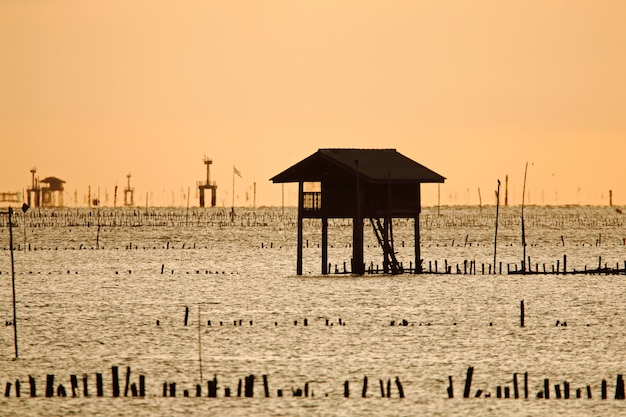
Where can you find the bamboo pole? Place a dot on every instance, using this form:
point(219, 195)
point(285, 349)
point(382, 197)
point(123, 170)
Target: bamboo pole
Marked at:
point(495, 240)
point(523, 229)
point(13, 280)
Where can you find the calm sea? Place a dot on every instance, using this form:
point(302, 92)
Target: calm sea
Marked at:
point(98, 289)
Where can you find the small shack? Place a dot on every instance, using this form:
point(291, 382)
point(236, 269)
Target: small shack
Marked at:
point(52, 192)
point(374, 184)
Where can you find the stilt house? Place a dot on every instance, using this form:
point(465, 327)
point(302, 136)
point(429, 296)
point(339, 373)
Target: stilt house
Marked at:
point(373, 184)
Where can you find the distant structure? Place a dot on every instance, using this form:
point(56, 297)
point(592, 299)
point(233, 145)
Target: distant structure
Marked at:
point(45, 193)
point(359, 184)
point(33, 192)
point(129, 193)
point(9, 197)
point(202, 186)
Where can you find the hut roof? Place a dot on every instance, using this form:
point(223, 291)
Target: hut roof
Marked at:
point(54, 183)
point(374, 165)
point(52, 180)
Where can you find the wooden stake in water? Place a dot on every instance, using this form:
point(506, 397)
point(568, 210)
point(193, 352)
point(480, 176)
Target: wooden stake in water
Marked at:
point(187, 212)
point(13, 279)
point(495, 240)
point(523, 229)
point(199, 344)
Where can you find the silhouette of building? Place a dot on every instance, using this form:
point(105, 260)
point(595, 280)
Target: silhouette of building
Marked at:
point(45, 193)
point(129, 194)
point(374, 184)
point(51, 192)
point(207, 185)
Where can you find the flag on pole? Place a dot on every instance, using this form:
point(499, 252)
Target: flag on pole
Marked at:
point(236, 171)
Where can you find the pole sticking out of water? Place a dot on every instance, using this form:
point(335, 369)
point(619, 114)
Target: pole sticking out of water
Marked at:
point(187, 212)
point(523, 229)
point(13, 279)
point(199, 344)
point(495, 240)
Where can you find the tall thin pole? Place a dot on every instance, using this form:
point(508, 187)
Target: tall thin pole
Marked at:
point(187, 213)
point(25, 225)
point(232, 211)
point(199, 344)
point(495, 240)
point(13, 279)
point(523, 229)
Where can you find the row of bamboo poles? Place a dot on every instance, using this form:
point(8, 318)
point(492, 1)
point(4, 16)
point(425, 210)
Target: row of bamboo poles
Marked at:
point(123, 217)
point(244, 388)
point(518, 388)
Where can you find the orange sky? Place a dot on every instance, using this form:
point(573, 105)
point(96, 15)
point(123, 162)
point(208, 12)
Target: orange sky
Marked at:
point(90, 91)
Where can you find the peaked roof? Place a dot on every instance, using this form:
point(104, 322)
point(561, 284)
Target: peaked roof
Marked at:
point(51, 180)
point(373, 164)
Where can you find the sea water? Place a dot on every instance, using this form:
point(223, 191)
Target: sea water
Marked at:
point(112, 287)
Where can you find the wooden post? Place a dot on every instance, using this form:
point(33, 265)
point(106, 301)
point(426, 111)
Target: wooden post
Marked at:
point(33, 386)
point(142, 386)
point(619, 388)
point(525, 384)
point(523, 229)
point(450, 387)
point(115, 381)
point(515, 387)
point(324, 245)
point(50, 385)
point(13, 280)
point(418, 256)
point(521, 314)
point(399, 385)
point(299, 244)
point(74, 384)
point(495, 239)
point(346, 389)
point(99, 388)
point(249, 388)
point(266, 387)
point(85, 386)
point(127, 384)
point(468, 382)
point(364, 391)
point(357, 229)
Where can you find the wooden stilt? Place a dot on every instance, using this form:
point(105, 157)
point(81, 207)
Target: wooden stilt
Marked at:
point(299, 244)
point(324, 246)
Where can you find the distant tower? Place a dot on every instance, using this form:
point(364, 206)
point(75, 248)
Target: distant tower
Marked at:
point(202, 186)
point(506, 190)
point(129, 194)
point(34, 192)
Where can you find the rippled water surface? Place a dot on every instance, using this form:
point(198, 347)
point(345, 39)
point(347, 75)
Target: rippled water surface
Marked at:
point(92, 286)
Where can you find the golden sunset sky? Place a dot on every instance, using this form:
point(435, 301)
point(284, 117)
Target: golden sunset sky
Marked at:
point(93, 90)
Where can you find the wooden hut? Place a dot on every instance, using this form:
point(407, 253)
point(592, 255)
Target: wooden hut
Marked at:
point(52, 192)
point(374, 184)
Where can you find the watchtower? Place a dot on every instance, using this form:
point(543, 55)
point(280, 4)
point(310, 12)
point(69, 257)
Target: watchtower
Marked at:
point(202, 186)
point(129, 193)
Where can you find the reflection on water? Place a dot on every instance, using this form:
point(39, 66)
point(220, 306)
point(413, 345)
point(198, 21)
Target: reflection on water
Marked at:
point(85, 306)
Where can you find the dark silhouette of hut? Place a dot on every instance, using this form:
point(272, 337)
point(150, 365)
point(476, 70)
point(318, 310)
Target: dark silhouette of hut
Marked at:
point(360, 184)
point(52, 194)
